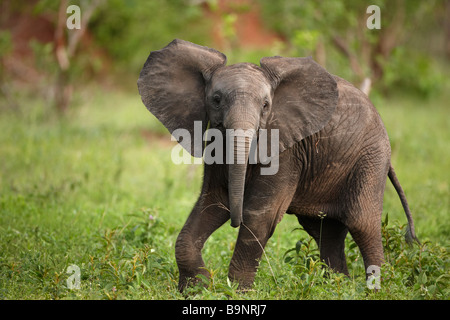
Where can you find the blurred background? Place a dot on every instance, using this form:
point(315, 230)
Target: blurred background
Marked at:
point(410, 52)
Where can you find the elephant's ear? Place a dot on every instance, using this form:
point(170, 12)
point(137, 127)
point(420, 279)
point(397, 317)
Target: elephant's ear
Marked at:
point(305, 97)
point(172, 87)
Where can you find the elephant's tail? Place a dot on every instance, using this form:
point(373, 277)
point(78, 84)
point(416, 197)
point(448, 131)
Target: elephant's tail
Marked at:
point(410, 233)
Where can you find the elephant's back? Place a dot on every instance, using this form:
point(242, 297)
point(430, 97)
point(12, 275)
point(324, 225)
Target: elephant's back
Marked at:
point(357, 116)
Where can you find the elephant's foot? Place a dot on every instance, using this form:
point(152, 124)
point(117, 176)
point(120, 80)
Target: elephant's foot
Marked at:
point(185, 282)
point(190, 266)
point(243, 278)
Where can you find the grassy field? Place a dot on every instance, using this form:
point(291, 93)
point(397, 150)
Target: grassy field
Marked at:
point(96, 189)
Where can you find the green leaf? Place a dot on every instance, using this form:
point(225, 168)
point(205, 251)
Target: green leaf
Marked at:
point(386, 219)
point(422, 278)
point(298, 246)
point(288, 259)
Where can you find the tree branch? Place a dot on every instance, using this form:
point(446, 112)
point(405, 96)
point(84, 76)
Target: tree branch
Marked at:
point(343, 47)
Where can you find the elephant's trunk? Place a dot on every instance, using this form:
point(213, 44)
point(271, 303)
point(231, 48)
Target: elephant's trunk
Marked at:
point(237, 172)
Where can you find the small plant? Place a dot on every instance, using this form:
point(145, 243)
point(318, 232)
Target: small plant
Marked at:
point(305, 259)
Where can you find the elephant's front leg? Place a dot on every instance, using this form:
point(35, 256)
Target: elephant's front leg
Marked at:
point(205, 218)
point(266, 200)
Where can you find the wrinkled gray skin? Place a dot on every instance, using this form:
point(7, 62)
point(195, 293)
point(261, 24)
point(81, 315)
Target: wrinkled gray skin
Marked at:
point(334, 154)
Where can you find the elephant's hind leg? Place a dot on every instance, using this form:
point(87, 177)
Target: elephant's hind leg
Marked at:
point(367, 235)
point(329, 235)
point(366, 208)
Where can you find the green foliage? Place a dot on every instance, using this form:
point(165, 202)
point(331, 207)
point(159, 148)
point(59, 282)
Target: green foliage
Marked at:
point(129, 30)
point(5, 43)
point(396, 57)
point(306, 41)
point(421, 268)
point(415, 72)
point(5, 48)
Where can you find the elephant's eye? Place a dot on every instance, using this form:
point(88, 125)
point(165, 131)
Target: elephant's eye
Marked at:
point(265, 105)
point(216, 98)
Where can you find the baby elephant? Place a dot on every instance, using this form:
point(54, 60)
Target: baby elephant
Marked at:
point(329, 152)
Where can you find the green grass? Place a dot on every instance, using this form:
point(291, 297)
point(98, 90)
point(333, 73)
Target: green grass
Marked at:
point(97, 189)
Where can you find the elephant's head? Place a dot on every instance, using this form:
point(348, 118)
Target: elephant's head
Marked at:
point(185, 82)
